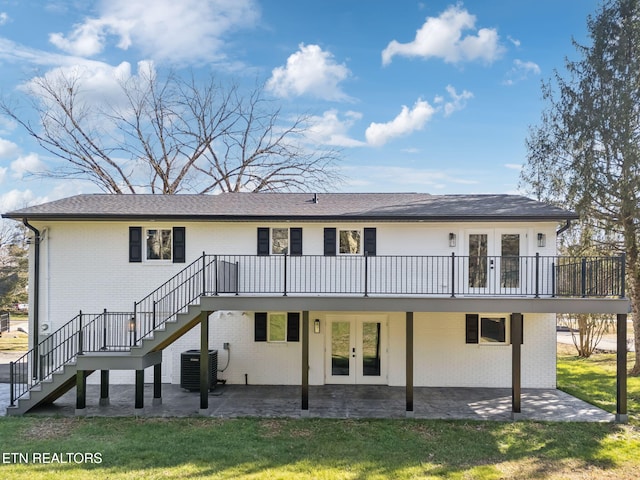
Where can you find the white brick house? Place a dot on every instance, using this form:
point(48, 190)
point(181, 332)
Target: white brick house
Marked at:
point(391, 289)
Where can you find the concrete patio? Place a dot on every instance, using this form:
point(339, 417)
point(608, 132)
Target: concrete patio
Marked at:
point(330, 401)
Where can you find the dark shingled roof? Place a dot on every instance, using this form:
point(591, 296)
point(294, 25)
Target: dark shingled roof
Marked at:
point(300, 206)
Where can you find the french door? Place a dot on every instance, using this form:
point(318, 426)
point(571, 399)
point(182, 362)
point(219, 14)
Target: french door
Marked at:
point(356, 351)
point(494, 263)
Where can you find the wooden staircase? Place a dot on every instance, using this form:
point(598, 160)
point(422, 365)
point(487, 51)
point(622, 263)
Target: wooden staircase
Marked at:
point(109, 341)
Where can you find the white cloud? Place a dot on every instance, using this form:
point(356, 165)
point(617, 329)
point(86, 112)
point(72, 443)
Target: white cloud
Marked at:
point(513, 166)
point(8, 149)
point(329, 129)
point(184, 31)
point(3, 174)
point(521, 71)
point(310, 71)
point(457, 102)
point(442, 37)
point(397, 179)
point(4, 18)
point(515, 41)
point(101, 83)
point(16, 199)
point(407, 121)
point(26, 164)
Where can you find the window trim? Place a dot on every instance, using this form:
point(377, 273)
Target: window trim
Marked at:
point(271, 315)
point(360, 243)
point(473, 329)
point(271, 239)
point(145, 248)
point(292, 327)
point(503, 325)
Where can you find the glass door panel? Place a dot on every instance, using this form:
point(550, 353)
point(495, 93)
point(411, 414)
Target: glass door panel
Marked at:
point(356, 349)
point(510, 261)
point(370, 349)
point(478, 260)
point(340, 348)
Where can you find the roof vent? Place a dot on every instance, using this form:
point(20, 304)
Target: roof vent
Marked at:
point(315, 198)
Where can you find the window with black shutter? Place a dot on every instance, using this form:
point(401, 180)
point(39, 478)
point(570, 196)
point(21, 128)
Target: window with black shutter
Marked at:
point(260, 327)
point(295, 239)
point(135, 244)
point(179, 245)
point(330, 242)
point(293, 327)
point(471, 328)
point(277, 327)
point(263, 241)
point(370, 241)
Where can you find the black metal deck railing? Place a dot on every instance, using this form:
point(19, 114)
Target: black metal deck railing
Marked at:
point(535, 276)
point(210, 275)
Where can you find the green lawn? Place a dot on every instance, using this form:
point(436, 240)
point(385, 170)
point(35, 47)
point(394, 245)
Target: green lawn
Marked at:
point(14, 342)
point(594, 380)
point(197, 447)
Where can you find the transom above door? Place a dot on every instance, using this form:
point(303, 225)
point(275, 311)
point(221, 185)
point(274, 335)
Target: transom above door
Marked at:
point(356, 349)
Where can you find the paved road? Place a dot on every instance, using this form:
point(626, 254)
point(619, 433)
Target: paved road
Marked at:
point(608, 344)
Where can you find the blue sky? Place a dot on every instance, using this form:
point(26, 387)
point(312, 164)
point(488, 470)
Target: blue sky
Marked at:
point(430, 96)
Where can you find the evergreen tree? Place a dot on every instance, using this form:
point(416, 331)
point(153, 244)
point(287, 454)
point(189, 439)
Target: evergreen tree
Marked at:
point(585, 153)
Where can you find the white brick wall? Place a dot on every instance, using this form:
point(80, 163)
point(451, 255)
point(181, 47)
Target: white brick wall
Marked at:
point(84, 266)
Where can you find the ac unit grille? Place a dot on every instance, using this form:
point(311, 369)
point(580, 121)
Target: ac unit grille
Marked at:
point(190, 369)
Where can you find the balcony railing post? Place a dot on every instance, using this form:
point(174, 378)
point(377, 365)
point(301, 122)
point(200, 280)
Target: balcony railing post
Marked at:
point(104, 331)
point(215, 274)
point(80, 334)
point(285, 275)
point(11, 384)
point(583, 278)
point(537, 275)
point(453, 274)
point(204, 276)
point(623, 275)
point(553, 279)
point(366, 274)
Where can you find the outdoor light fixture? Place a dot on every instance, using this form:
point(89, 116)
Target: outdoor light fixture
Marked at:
point(452, 239)
point(542, 240)
point(316, 325)
point(132, 331)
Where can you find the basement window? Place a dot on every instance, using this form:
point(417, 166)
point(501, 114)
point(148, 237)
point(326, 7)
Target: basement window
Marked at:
point(493, 330)
point(277, 327)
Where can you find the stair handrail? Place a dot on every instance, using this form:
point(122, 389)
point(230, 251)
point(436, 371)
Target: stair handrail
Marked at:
point(172, 298)
point(56, 350)
point(66, 343)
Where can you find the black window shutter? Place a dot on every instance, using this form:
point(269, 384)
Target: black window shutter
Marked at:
point(135, 244)
point(295, 241)
point(330, 242)
point(293, 327)
point(370, 241)
point(471, 328)
point(179, 245)
point(263, 241)
point(260, 327)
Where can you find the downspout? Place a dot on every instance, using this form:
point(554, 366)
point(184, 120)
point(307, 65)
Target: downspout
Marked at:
point(36, 295)
point(563, 228)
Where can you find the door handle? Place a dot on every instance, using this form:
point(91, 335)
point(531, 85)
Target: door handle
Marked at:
point(491, 264)
point(353, 351)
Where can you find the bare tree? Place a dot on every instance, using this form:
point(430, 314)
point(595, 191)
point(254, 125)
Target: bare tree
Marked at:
point(586, 330)
point(172, 135)
point(13, 264)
